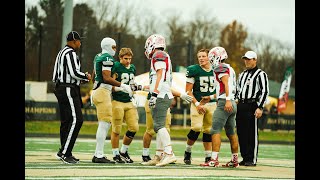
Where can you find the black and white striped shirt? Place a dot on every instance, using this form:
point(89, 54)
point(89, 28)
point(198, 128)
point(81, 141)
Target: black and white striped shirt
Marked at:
point(253, 84)
point(67, 67)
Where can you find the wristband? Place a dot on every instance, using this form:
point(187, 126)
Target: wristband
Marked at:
point(228, 98)
point(154, 94)
point(212, 97)
point(197, 104)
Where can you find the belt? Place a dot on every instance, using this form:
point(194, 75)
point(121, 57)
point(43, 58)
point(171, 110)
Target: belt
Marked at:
point(66, 84)
point(247, 100)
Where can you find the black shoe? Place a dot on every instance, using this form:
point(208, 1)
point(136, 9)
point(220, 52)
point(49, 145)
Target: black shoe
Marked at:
point(249, 164)
point(187, 157)
point(207, 159)
point(118, 159)
point(242, 163)
point(76, 159)
point(101, 160)
point(125, 156)
point(59, 156)
point(146, 158)
point(68, 160)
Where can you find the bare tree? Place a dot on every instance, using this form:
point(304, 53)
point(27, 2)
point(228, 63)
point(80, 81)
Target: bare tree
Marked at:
point(232, 39)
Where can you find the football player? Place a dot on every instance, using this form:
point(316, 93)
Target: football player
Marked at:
point(161, 96)
point(200, 82)
point(123, 108)
point(101, 94)
point(225, 114)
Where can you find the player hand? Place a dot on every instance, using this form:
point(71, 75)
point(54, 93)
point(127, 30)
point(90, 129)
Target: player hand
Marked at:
point(153, 100)
point(204, 100)
point(201, 109)
point(136, 87)
point(126, 89)
point(186, 97)
point(88, 76)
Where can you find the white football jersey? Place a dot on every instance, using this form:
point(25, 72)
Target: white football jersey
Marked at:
point(161, 60)
point(220, 71)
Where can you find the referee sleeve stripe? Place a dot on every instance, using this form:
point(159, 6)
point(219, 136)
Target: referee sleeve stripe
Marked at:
point(74, 67)
point(263, 83)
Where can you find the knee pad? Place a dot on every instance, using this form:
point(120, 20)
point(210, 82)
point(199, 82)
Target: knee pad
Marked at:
point(206, 137)
point(130, 134)
point(192, 135)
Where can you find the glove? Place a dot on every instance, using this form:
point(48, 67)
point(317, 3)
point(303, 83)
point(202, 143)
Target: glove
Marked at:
point(136, 87)
point(186, 97)
point(116, 89)
point(127, 89)
point(153, 100)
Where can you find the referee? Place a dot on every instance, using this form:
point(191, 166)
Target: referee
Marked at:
point(252, 92)
point(67, 76)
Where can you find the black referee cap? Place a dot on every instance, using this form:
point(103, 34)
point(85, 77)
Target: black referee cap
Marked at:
point(73, 35)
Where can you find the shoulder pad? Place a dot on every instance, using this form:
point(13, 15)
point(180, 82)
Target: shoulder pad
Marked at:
point(191, 70)
point(222, 68)
point(159, 56)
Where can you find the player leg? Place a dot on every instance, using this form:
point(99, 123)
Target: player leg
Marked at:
point(196, 125)
point(102, 101)
point(207, 124)
point(131, 118)
point(159, 114)
point(147, 137)
point(233, 138)
point(117, 119)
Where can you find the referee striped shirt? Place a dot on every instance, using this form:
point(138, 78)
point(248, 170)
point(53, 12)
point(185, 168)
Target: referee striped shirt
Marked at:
point(253, 84)
point(67, 67)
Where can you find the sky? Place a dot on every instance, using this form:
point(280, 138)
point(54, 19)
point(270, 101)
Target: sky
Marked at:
point(274, 18)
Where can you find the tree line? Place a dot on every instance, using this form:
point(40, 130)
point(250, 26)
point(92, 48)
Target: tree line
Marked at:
point(130, 26)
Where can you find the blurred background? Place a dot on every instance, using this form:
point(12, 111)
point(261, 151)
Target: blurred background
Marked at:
point(187, 26)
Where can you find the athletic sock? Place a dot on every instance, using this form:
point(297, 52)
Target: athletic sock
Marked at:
point(145, 152)
point(124, 148)
point(214, 155)
point(115, 151)
point(188, 148)
point(102, 131)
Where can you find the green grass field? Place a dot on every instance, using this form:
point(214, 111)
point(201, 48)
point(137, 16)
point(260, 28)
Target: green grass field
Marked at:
point(276, 156)
point(89, 128)
point(274, 162)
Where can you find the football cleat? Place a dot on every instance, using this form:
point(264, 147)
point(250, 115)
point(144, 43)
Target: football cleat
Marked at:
point(211, 163)
point(146, 158)
point(187, 158)
point(233, 164)
point(167, 159)
point(125, 156)
point(152, 162)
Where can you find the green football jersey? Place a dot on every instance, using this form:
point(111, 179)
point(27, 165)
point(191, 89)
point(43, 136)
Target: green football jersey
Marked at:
point(203, 81)
point(101, 61)
point(125, 76)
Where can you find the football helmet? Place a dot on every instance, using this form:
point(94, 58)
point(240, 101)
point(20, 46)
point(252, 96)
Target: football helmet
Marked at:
point(216, 55)
point(154, 41)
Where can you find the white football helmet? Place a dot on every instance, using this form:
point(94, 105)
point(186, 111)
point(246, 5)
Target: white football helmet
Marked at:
point(216, 55)
point(154, 41)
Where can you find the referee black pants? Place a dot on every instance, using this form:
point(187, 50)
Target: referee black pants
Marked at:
point(71, 118)
point(247, 130)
